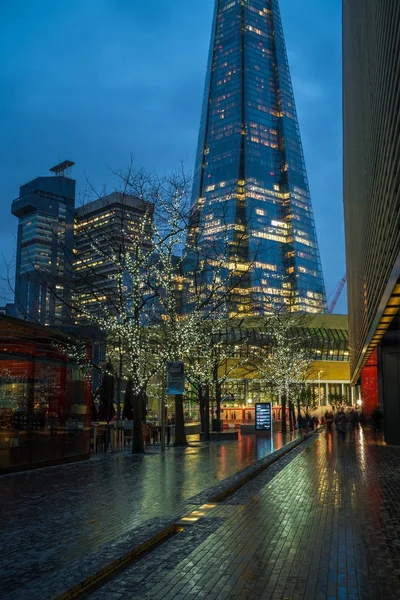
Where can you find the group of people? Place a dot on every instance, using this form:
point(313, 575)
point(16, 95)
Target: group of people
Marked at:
point(343, 420)
point(351, 420)
point(307, 422)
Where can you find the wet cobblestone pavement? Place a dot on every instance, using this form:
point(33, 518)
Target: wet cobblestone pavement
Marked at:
point(55, 521)
point(321, 524)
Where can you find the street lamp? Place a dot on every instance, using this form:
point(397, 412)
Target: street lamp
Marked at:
point(319, 390)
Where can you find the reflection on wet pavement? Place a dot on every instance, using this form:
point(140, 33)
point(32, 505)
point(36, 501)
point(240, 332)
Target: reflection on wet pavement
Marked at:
point(321, 524)
point(56, 515)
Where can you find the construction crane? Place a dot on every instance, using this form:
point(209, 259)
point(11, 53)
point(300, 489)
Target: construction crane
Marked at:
point(339, 290)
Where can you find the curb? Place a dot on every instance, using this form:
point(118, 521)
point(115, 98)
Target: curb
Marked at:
point(162, 535)
point(267, 462)
point(93, 580)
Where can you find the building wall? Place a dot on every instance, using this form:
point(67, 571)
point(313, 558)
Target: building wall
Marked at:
point(44, 273)
point(371, 108)
point(107, 227)
point(389, 381)
point(369, 384)
point(250, 182)
point(331, 371)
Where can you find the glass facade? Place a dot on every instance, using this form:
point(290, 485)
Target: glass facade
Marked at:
point(250, 183)
point(44, 278)
point(243, 394)
point(102, 228)
point(45, 397)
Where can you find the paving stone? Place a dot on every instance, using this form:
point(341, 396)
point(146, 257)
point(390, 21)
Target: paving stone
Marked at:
point(61, 523)
point(323, 523)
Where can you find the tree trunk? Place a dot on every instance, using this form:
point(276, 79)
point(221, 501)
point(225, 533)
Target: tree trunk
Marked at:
point(201, 408)
point(180, 436)
point(283, 418)
point(291, 423)
point(207, 414)
point(137, 435)
point(293, 415)
point(118, 400)
point(218, 397)
point(298, 408)
point(120, 370)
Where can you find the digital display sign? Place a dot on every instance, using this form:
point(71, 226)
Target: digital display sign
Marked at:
point(263, 416)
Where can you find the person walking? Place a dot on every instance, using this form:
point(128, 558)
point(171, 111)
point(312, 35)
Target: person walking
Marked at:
point(354, 419)
point(311, 422)
point(329, 420)
point(341, 424)
point(303, 422)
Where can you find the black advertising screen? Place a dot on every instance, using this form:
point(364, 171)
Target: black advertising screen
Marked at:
point(263, 416)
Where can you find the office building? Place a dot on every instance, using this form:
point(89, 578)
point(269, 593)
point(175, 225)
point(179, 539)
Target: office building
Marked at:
point(371, 101)
point(326, 383)
point(106, 232)
point(44, 264)
point(250, 180)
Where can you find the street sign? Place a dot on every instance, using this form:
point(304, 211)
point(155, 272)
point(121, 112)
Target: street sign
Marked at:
point(175, 378)
point(263, 416)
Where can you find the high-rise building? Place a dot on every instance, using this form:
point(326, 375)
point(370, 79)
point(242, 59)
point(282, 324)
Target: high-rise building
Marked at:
point(44, 265)
point(106, 231)
point(250, 176)
point(371, 102)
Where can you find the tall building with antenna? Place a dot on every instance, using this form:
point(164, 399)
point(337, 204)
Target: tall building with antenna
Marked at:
point(250, 183)
point(44, 265)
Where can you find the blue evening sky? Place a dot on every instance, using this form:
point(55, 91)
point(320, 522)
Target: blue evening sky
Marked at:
point(96, 80)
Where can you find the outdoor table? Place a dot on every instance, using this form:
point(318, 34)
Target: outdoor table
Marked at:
point(99, 434)
point(105, 431)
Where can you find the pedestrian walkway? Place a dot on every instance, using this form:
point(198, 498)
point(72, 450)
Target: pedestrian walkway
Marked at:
point(324, 525)
point(57, 516)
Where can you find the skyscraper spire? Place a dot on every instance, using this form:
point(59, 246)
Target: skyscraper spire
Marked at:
point(250, 178)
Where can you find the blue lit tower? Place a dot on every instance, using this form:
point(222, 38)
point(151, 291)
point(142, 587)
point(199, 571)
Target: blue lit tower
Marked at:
point(250, 177)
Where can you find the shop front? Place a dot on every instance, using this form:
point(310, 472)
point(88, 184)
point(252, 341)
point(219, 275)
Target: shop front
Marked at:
point(45, 397)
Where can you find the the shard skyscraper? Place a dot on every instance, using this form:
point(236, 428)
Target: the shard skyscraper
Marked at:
point(250, 181)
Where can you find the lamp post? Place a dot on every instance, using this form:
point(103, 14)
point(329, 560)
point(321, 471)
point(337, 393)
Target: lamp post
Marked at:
point(319, 392)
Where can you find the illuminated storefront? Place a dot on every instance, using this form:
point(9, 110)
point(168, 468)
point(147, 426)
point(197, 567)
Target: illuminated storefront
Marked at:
point(331, 387)
point(327, 381)
point(44, 397)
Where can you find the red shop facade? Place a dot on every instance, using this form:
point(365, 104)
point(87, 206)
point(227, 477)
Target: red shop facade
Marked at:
point(45, 396)
point(369, 384)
